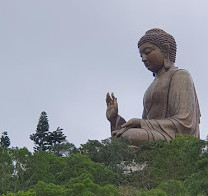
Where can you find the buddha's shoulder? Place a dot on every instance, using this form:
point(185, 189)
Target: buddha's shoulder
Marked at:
point(181, 74)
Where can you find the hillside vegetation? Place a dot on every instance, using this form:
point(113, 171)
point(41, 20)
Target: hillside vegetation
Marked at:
point(108, 168)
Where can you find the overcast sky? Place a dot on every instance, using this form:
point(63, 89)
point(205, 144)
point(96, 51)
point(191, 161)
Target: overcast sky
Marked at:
point(63, 56)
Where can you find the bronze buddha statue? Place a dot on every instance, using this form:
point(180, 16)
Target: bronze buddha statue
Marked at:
point(170, 102)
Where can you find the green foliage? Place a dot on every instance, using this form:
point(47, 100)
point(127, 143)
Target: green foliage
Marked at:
point(77, 164)
point(144, 155)
point(21, 159)
point(44, 189)
point(63, 149)
point(176, 168)
point(197, 183)
point(40, 138)
point(83, 185)
point(52, 142)
point(128, 191)
point(4, 140)
point(92, 150)
point(110, 153)
point(56, 137)
point(173, 188)
point(152, 192)
point(45, 172)
point(80, 186)
point(30, 192)
point(21, 170)
point(13, 167)
point(6, 170)
point(115, 151)
point(168, 188)
point(175, 160)
point(40, 168)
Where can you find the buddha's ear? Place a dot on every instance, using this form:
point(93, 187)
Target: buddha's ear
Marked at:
point(166, 48)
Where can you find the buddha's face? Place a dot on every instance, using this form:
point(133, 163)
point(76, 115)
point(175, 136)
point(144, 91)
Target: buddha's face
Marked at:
point(152, 57)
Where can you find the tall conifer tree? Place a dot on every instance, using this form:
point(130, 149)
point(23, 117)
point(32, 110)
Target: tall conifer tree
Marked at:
point(40, 138)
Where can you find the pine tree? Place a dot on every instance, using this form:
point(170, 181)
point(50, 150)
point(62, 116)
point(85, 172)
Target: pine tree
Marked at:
point(58, 144)
point(56, 137)
point(40, 138)
point(4, 140)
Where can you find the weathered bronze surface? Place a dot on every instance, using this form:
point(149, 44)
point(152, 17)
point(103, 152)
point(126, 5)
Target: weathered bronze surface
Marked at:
point(170, 102)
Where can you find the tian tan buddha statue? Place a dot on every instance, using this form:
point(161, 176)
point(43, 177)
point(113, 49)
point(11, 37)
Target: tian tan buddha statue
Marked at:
point(170, 102)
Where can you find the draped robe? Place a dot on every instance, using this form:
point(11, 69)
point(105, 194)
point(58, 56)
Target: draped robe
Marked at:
point(170, 106)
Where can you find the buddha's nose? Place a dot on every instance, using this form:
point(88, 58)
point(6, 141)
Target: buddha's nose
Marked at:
point(144, 58)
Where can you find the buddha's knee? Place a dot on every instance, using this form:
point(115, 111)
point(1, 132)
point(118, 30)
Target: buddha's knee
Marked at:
point(135, 136)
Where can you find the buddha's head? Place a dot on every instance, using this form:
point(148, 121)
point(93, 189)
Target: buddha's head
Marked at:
point(157, 49)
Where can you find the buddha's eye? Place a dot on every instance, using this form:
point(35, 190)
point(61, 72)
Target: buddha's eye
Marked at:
point(146, 52)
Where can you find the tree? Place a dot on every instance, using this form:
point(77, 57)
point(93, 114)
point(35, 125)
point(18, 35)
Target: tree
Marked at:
point(174, 161)
point(44, 167)
point(6, 170)
point(4, 140)
point(197, 183)
point(79, 186)
point(53, 142)
point(109, 152)
point(152, 192)
point(40, 138)
point(77, 164)
point(58, 145)
point(21, 160)
point(173, 188)
point(92, 150)
point(63, 149)
point(56, 137)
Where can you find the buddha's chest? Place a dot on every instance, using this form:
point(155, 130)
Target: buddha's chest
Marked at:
point(156, 98)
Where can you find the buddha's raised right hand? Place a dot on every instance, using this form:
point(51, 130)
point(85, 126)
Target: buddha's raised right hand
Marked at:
point(112, 107)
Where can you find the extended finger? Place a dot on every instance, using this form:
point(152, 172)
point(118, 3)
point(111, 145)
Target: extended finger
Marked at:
point(112, 95)
point(115, 103)
point(108, 99)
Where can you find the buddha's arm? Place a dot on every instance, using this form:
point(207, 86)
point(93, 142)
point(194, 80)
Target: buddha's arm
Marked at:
point(116, 123)
point(144, 114)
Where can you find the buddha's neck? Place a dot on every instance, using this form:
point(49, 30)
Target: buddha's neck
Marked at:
point(163, 70)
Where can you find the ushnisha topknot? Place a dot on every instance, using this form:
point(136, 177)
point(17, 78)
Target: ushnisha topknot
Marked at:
point(159, 38)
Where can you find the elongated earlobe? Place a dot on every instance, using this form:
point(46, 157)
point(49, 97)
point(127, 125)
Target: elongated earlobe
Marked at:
point(166, 49)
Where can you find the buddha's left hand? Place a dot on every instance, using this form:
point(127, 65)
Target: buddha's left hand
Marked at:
point(133, 123)
point(118, 133)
